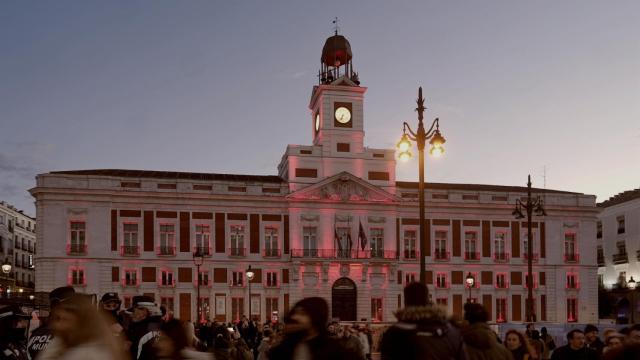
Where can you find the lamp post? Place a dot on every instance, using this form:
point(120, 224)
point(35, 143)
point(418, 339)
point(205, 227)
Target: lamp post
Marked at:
point(6, 267)
point(471, 281)
point(404, 145)
point(198, 260)
point(250, 274)
point(530, 206)
point(631, 284)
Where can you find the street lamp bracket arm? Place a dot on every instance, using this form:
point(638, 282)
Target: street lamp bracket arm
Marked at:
point(432, 131)
point(412, 135)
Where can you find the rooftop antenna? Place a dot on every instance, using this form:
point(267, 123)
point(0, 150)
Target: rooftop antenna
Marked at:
point(544, 176)
point(335, 22)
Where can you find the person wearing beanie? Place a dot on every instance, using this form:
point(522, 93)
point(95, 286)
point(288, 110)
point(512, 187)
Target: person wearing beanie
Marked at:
point(306, 336)
point(481, 342)
point(592, 339)
point(42, 336)
point(423, 331)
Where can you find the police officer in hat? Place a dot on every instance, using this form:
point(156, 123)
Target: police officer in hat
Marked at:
point(13, 333)
point(42, 336)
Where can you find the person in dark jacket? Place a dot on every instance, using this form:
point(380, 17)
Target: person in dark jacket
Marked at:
point(144, 328)
point(42, 336)
point(576, 349)
point(422, 331)
point(592, 339)
point(481, 342)
point(13, 333)
point(306, 337)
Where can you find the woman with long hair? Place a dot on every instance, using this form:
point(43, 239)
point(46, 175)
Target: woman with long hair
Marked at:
point(80, 332)
point(176, 343)
point(518, 345)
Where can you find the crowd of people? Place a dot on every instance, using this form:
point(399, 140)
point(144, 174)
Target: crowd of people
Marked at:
point(77, 328)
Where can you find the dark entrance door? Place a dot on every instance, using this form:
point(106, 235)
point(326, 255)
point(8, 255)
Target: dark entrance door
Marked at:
point(344, 298)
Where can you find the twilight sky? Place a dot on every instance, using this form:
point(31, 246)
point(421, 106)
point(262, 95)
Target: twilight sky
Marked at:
point(223, 86)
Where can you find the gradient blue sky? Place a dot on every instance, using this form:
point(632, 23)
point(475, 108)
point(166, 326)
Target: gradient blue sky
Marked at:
point(223, 86)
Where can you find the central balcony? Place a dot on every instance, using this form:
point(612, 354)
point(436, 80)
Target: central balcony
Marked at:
point(571, 258)
point(501, 257)
point(237, 252)
point(130, 250)
point(271, 253)
point(342, 254)
point(202, 250)
point(620, 258)
point(471, 255)
point(441, 255)
point(525, 257)
point(166, 250)
point(77, 249)
point(410, 254)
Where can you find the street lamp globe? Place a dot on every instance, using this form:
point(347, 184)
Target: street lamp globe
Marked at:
point(436, 143)
point(404, 144)
point(405, 156)
point(250, 274)
point(6, 267)
point(20, 290)
point(470, 280)
point(631, 283)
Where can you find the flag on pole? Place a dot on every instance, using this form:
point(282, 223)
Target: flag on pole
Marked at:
point(335, 234)
point(362, 236)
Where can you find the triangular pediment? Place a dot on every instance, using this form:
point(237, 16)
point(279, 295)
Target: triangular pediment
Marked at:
point(343, 81)
point(344, 187)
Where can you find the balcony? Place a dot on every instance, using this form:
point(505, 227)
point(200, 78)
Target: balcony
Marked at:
point(237, 252)
point(534, 258)
point(271, 253)
point(410, 254)
point(472, 255)
point(166, 250)
point(441, 255)
point(501, 257)
point(526, 284)
point(167, 283)
point(129, 250)
point(376, 254)
point(236, 284)
point(76, 249)
point(203, 282)
point(502, 284)
point(442, 284)
point(130, 282)
point(571, 258)
point(620, 258)
point(202, 250)
point(573, 285)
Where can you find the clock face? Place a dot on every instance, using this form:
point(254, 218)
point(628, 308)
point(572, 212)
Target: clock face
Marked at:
point(317, 122)
point(343, 115)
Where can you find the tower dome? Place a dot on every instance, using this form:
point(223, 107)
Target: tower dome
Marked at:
point(335, 62)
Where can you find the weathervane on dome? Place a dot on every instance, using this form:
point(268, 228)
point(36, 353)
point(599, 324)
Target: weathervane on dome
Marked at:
point(336, 28)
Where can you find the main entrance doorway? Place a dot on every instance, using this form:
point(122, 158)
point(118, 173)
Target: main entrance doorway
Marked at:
point(344, 296)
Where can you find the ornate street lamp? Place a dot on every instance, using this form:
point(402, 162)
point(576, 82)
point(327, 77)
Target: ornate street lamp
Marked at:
point(631, 284)
point(530, 206)
point(250, 274)
point(436, 140)
point(6, 266)
point(471, 281)
point(198, 260)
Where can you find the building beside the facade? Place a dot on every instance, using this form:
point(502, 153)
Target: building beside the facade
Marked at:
point(618, 255)
point(17, 247)
point(334, 222)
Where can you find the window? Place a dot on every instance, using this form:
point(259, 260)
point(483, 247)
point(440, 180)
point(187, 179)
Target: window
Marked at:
point(621, 227)
point(470, 246)
point(205, 311)
point(271, 304)
point(17, 243)
point(167, 302)
point(167, 239)
point(441, 281)
point(77, 231)
point(76, 277)
point(272, 279)
point(501, 281)
point(376, 237)
point(525, 244)
point(599, 230)
point(237, 240)
point(533, 280)
point(572, 310)
point(410, 244)
point(601, 281)
point(500, 247)
point(345, 242)
point(376, 309)
point(570, 247)
point(237, 308)
point(130, 246)
point(203, 238)
point(441, 245)
point(572, 281)
point(271, 241)
point(442, 302)
point(409, 278)
point(501, 310)
point(130, 277)
point(600, 256)
point(237, 278)
point(30, 261)
point(203, 278)
point(166, 278)
point(309, 241)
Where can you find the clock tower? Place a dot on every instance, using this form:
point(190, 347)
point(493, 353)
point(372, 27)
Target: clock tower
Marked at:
point(337, 127)
point(337, 101)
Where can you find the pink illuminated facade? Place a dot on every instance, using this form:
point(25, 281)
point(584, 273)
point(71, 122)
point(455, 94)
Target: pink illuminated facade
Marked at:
point(334, 223)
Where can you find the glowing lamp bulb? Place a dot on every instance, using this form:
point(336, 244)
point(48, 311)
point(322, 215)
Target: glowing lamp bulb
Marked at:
point(404, 144)
point(436, 151)
point(404, 156)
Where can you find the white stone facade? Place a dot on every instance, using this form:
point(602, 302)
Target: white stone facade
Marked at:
point(17, 247)
point(288, 223)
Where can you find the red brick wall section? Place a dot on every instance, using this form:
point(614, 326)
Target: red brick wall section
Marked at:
point(220, 232)
point(456, 238)
point(185, 232)
point(148, 230)
point(254, 234)
point(486, 238)
point(515, 239)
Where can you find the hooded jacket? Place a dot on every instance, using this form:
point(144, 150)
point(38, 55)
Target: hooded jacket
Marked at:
point(422, 332)
point(481, 343)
